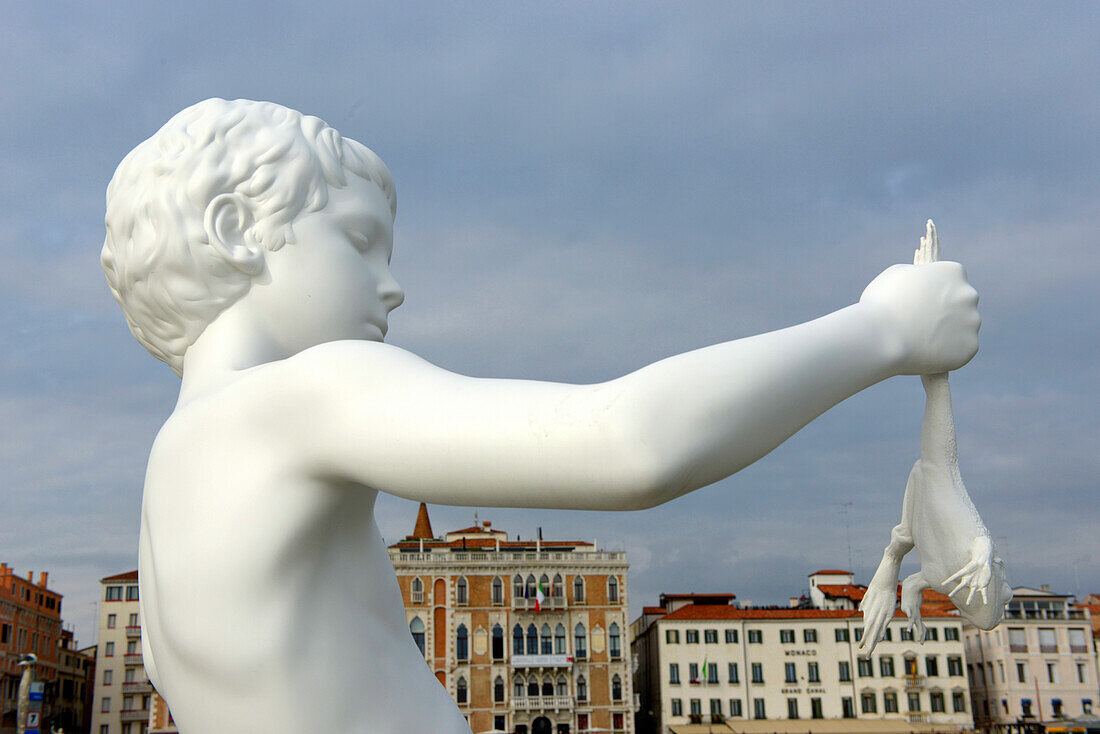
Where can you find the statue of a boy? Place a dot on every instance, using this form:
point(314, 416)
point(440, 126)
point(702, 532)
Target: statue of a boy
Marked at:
point(249, 246)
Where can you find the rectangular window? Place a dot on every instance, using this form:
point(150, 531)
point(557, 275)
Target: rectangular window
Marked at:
point(932, 634)
point(693, 672)
point(859, 634)
point(812, 674)
point(104, 729)
point(1017, 639)
point(672, 637)
point(133, 647)
point(1082, 673)
point(1052, 672)
point(712, 672)
point(755, 637)
point(715, 707)
point(758, 709)
point(757, 673)
point(815, 709)
point(958, 701)
point(951, 634)
point(954, 665)
point(692, 636)
point(114, 593)
point(790, 674)
point(1077, 641)
point(735, 707)
point(1021, 672)
point(105, 705)
point(865, 670)
point(617, 720)
point(890, 702)
point(906, 634)
point(809, 635)
point(886, 666)
point(889, 636)
point(673, 672)
point(786, 636)
point(112, 621)
point(932, 666)
point(129, 675)
point(731, 636)
point(734, 678)
point(848, 711)
point(792, 708)
point(696, 707)
point(109, 649)
point(710, 636)
point(108, 677)
point(133, 620)
point(868, 703)
point(841, 634)
point(5, 634)
point(935, 700)
point(845, 671)
point(677, 707)
point(131, 593)
point(914, 701)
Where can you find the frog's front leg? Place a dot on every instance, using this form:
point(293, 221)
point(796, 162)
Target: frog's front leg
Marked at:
point(978, 572)
point(912, 594)
point(880, 599)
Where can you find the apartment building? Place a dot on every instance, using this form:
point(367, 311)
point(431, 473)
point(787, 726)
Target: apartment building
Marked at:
point(703, 660)
point(528, 636)
point(1039, 665)
point(123, 693)
point(30, 622)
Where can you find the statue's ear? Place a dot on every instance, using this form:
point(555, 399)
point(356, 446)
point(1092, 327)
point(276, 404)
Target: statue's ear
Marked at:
point(227, 221)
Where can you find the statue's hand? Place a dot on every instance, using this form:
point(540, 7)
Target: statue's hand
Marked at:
point(931, 312)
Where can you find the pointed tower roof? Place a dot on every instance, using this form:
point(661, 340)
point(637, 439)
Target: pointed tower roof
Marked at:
point(423, 528)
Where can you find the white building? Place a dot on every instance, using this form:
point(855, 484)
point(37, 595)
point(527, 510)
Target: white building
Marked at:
point(122, 692)
point(703, 660)
point(1037, 666)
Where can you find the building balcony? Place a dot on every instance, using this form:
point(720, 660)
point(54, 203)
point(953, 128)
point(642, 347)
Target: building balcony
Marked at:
point(446, 558)
point(914, 681)
point(916, 717)
point(548, 604)
point(1078, 648)
point(1017, 648)
point(543, 703)
point(139, 686)
point(1048, 648)
point(132, 658)
point(542, 661)
point(134, 631)
point(126, 715)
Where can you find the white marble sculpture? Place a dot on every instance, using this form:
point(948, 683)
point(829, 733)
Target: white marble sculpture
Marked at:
point(939, 520)
point(249, 247)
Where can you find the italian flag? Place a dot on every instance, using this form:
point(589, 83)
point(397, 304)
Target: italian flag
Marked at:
point(539, 596)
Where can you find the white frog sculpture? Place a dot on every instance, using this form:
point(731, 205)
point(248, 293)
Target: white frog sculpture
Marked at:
point(939, 519)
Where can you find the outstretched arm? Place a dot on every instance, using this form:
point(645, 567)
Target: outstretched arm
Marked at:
point(387, 419)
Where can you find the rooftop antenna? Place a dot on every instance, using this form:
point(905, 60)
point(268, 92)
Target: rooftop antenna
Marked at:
point(843, 510)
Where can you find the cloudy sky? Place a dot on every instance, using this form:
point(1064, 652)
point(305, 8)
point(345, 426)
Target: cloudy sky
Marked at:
point(585, 188)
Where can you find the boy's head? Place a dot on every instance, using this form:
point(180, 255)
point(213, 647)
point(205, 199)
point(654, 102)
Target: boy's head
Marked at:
point(262, 163)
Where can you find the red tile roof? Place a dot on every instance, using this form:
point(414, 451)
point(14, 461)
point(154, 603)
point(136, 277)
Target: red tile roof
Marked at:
point(703, 612)
point(128, 576)
point(855, 593)
point(830, 571)
point(653, 610)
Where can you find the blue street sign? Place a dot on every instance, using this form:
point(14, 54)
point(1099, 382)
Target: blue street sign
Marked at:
point(36, 695)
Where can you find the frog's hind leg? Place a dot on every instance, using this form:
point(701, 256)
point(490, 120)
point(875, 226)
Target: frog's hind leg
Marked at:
point(912, 594)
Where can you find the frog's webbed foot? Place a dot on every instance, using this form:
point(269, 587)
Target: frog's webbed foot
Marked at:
point(977, 573)
point(912, 594)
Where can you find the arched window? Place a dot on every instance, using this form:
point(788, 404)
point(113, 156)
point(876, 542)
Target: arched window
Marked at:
point(498, 590)
point(462, 643)
point(461, 592)
point(578, 590)
point(616, 688)
point(547, 686)
point(517, 640)
point(582, 688)
point(531, 590)
point(580, 642)
point(460, 690)
point(517, 587)
point(416, 626)
point(532, 686)
point(547, 647)
point(544, 584)
point(498, 689)
point(417, 591)
point(559, 640)
point(498, 642)
point(517, 687)
point(556, 590)
point(612, 588)
point(613, 645)
point(562, 688)
point(532, 640)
